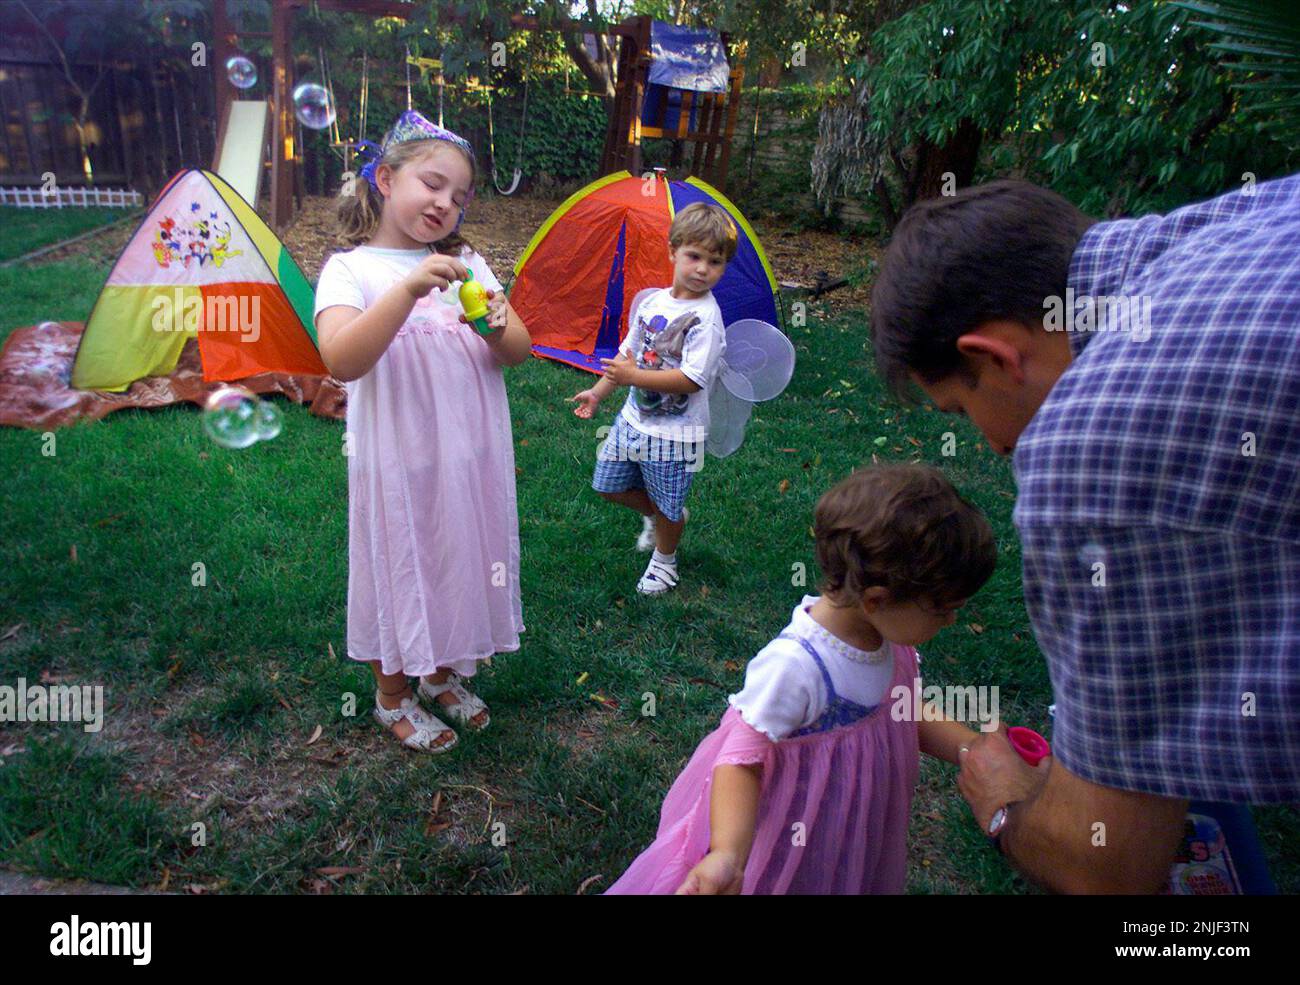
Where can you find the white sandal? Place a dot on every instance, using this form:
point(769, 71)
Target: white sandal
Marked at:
point(427, 727)
point(466, 707)
point(658, 578)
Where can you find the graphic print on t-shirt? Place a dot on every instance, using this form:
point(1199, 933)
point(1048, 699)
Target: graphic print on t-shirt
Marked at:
point(662, 343)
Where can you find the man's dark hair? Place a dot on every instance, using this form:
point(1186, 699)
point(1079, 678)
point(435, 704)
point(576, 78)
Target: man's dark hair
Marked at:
point(992, 251)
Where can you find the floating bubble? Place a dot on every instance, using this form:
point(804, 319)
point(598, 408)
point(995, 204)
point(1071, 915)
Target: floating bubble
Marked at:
point(241, 72)
point(313, 106)
point(230, 417)
point(268, 421)
point(48, 326)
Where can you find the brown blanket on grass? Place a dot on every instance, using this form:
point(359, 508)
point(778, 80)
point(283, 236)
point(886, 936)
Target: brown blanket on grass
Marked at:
point(36, 364)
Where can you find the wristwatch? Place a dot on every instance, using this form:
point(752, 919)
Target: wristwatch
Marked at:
point(998, 824)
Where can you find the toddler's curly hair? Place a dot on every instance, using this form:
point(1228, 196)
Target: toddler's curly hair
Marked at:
point(905, 528)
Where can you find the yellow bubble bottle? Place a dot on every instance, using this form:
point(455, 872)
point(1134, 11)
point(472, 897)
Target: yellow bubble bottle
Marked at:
point(473, 298)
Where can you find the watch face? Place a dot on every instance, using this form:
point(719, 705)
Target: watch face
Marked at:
point(997, 821)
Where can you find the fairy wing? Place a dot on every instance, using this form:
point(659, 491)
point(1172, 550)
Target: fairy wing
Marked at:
point(728, 415)
point(759, 360)
point(757, 365)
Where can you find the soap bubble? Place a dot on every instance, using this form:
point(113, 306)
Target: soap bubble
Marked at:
point(313, 106)
point(230, 417)
point(268, 421)
point(241, 72)
point(48, 326)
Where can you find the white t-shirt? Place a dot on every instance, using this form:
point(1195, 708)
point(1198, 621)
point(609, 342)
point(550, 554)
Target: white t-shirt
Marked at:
point(672, 333)
point(784, 691)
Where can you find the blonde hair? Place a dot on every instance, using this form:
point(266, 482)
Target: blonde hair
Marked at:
point(707, 225)
point(359, 212)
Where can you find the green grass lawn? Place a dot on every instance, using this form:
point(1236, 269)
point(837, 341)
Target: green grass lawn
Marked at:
point(26, 230)
point(208, 772)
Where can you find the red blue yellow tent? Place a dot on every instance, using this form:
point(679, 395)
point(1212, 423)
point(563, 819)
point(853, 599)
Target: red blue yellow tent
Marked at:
point(576, 280)
point(202, 264)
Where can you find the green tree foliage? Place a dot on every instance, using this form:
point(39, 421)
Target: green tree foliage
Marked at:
point(1120, 106)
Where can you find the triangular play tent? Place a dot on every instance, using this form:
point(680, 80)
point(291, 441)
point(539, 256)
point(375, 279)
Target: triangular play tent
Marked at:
point(202, 264)
point(575, 282)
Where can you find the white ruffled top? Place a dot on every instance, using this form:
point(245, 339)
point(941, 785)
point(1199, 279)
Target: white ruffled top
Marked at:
point(784, 691)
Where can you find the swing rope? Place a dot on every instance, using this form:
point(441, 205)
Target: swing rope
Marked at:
point(519, 150)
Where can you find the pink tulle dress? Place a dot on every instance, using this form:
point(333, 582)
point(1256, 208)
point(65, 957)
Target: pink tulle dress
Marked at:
point(834, 807)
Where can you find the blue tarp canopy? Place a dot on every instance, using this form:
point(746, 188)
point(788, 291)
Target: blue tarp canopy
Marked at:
point(681, 58)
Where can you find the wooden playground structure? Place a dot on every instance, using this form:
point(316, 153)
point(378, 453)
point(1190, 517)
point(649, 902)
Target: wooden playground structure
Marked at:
point(714, 113)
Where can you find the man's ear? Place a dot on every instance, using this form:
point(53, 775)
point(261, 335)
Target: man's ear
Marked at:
point(1000, 344)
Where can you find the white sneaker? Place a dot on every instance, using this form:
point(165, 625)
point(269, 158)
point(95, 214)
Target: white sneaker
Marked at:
point(646, 542)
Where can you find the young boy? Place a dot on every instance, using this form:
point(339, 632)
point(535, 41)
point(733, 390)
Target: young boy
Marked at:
point(669, 359)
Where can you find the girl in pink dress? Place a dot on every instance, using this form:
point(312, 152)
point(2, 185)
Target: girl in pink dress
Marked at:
point(806, 786)
point(433, 528)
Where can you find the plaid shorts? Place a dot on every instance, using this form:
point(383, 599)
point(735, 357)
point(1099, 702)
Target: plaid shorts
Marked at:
point(629, 460)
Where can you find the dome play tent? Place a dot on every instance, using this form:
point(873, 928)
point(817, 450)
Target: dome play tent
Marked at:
point(202, 264)
point(575, 282)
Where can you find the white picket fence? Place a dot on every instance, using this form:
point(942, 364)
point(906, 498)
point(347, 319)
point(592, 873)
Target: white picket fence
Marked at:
point(58, 198)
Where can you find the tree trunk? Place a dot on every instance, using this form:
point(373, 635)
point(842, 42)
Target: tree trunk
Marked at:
point(933, 162)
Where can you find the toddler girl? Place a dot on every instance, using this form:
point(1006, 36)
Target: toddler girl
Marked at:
point(806, 786)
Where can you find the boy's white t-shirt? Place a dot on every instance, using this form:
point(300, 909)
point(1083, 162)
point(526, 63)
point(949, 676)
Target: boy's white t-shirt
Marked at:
point(673, 333)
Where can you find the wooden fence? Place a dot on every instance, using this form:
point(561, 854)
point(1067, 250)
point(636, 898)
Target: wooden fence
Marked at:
point(146, 122)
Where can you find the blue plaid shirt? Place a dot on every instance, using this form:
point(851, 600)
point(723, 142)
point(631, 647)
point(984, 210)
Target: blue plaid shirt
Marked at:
point(1159, 505)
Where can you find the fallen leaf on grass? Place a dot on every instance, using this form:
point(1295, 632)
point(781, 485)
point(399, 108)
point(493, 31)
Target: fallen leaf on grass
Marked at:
point(48, 678)
point(783, 487)
point(914, 441)
point(340, 870)
point(72, 553)
point(197, 739)
point(12, 631)
point(582, 678)
point(330, 647)
point(314, 736)
point(976, 628)
point(732, 665)
point(172, 670)
point(283, 701)
point(432, 826)
point(582, 887)
point(608, 702)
